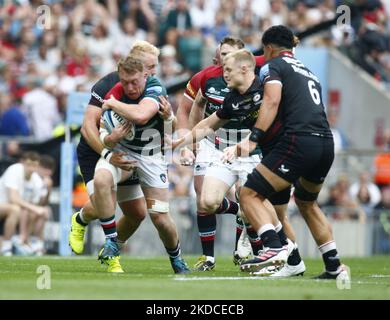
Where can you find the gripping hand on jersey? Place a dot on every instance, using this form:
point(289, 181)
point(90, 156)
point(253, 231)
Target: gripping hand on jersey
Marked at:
point(165, 110)
point(109, 103)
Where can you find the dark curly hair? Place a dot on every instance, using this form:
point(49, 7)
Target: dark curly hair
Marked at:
point(281, 36)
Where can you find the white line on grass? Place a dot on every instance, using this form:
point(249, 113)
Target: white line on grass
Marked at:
point(219, 278)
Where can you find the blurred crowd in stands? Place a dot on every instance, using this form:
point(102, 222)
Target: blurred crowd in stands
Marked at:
point(81, 41)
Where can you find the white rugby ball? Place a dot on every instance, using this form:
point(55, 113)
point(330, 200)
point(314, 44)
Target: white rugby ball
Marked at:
point(113, 120)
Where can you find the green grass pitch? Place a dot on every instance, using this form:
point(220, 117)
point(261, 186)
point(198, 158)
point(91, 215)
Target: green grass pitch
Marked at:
point(152, 279)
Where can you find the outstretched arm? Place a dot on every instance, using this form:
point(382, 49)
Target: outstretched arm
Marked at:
point(267, 115)
point(201, 130)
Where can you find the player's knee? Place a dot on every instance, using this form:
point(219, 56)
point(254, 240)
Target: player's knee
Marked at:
point(135, 215)
point(163, 222)
point(209, 204)
point(246, 195)
point(303, 196)
point(260, 185)
point(102, 181)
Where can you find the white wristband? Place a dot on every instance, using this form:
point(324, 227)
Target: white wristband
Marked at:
point(106, 154)
point(103, 135)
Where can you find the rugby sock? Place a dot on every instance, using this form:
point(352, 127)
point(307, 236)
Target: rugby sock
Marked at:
point(207, 225)
point(282, 236)
point(109, 227)
point(294, 258)
point(330, 256)
point(175, 252)
point(239, 229)
point(227, 206)
point(269, 237)
point(254, 239)
point(80, 218)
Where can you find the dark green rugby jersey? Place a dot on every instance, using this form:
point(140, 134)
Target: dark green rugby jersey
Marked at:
point(148, 137)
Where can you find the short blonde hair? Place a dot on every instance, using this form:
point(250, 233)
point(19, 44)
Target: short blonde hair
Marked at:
point(131, 64)
point(140, 46)
point(242, 56)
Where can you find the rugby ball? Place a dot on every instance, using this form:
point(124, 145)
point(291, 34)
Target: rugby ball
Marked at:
point(112, 120)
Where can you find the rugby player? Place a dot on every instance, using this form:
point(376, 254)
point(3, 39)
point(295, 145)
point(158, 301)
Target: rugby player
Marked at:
point(302, 155)
point(136, 98)
point(209, 98)
point(129, 195)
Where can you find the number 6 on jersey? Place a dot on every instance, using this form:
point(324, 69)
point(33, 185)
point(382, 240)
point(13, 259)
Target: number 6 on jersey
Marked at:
point(315, 95)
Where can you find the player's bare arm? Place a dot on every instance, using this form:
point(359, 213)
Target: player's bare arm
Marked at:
point(90, 128)
point(267, 115)
point(139, 113)
point(195, 115)
point(90, 131)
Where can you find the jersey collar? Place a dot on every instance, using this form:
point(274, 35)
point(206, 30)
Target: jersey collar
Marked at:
point(286, 53)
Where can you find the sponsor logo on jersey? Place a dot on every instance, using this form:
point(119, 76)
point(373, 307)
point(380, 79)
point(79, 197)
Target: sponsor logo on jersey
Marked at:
point(212, 90)
point(254, 114)
point(163, 177)
point(225, 90)
point(257, 97)
point(214, 107)
point(99, 98)
point(283, 169)
point(235, 106)
point(155, 89)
